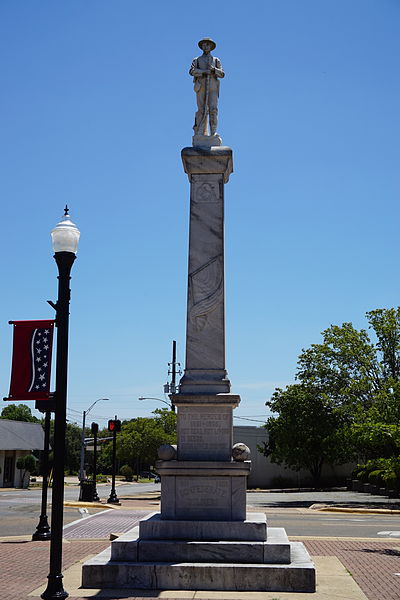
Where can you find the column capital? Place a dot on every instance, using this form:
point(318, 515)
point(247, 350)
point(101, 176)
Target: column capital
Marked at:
point(205, 161)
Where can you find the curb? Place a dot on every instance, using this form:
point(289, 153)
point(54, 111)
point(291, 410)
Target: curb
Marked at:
point(379, 511)
point(77, 504)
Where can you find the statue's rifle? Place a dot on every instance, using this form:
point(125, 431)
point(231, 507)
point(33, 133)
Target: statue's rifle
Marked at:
point(206, 109)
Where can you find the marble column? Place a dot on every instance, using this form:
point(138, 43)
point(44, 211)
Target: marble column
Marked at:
point(208, 170)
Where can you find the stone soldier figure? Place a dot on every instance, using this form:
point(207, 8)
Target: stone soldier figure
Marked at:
point(206, 71)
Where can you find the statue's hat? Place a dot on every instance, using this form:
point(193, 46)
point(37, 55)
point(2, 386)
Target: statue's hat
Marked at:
point(214, 45)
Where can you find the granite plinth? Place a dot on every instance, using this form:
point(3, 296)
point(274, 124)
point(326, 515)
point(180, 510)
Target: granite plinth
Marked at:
point(254, 528)
point(129, 547)
point(297, 576)
point(203, 490)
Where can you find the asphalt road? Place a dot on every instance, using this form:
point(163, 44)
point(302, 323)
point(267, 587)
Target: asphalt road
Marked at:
point(311, 523)
point(20, 509)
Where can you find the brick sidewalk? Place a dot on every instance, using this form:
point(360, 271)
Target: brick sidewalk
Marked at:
point(24, 565)
point(375, 566)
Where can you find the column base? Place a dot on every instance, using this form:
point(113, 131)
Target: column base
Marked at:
point(204, 381)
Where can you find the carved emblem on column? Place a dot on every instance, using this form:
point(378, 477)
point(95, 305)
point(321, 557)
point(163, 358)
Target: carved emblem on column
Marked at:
point(206, 291)
point(205, 191)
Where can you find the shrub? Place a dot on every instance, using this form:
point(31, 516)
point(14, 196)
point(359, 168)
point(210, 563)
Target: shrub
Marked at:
point(376, 477)
point(392, 481)
point(127, 472)
point(363, 475)
point(26, 464)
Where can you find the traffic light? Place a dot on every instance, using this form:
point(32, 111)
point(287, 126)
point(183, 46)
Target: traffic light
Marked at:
point(114, 425)
point(94, 428)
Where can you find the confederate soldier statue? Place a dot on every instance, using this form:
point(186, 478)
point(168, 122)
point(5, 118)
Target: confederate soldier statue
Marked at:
point(206, 71)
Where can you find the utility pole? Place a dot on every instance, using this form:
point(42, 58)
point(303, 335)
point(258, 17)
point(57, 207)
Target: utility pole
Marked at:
point(82, 459)
point(172, 371)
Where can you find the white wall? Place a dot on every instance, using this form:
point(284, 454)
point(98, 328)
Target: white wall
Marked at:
point(265, 474)
point(17, 473)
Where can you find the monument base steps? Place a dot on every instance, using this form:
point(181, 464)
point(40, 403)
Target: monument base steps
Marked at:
point(130, 547)
point(253, 529)
point(297, 576)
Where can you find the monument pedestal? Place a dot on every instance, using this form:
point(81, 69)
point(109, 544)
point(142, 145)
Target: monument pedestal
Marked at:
point(138, 562)
point(203, 491)
point(202, 539)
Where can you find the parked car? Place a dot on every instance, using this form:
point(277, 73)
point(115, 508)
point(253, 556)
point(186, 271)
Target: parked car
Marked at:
point(147, 475)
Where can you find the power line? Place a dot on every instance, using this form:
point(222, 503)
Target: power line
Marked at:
point(247, 419)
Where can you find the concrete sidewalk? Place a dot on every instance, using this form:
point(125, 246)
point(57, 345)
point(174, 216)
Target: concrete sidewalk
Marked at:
point(347, 569)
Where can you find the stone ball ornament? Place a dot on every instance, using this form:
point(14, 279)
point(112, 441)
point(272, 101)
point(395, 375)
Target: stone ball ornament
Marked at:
point(167, 452)
point(240, 452)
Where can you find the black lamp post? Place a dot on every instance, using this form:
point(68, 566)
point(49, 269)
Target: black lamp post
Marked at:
point(65, 237)
point(43, 528)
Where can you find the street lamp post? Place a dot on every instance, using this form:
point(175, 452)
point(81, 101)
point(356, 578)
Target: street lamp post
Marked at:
point(169, 404)
point(65, 237)
point(43, 528)
point(82, 459)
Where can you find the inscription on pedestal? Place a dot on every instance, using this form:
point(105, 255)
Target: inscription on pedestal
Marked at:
point(201, 498)
point(204, 432)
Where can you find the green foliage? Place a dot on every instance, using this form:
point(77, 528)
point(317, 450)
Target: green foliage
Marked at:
point(376, 477)
point(26, 464)
point(140, 438)
point(304, 434)
point(18, 412)
point(363, 475)
point(348, 394)
point(381, 471)
point(391, 480)
point(72, 447)
point(127, 472)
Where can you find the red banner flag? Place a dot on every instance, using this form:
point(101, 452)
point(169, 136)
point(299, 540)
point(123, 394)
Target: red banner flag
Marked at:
point(31, 362)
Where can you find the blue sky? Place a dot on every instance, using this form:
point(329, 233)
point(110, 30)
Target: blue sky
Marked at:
point(96, 105)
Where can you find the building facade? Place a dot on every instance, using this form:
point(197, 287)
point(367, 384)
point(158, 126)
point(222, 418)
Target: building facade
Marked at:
point(17, 439)
point(267, 475)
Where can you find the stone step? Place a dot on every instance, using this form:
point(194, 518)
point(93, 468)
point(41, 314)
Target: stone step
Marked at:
point(298, 576)
point(253, 529)
point(129, 547)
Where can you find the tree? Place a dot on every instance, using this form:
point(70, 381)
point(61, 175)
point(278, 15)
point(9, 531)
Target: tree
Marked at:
point(72, 447)
point(348, 392)
point(18, 412)
point(26, 464)
point(345, 366)
point(140, 438)
point(304, 434)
